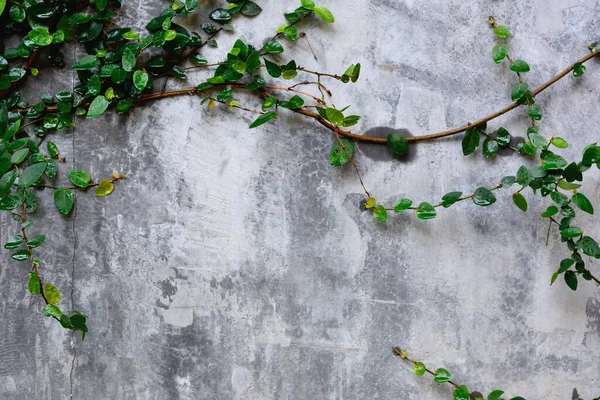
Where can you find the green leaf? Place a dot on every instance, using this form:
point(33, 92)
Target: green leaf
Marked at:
point(483, 197)
point(105, 187)
point(380, 213)
point(19, 156)
point(419, 369)
point(263, 119)
point(508, 181)
point(269, 103)
point(503, 137)
point(308, 4)
point(52, 294)
point(324, 14)
point(520, 201)
point(220, 15)
point(36, 241)
point(250, 9)
point(470, 141)
point(140, 79)
point(571, 280)
point(273, 69)
point(441, 375)
point(499, 52)
point(565, 264)
point(273, 47)
point(553, 161)
point(14, 242)
point(537, 140)
point(589, 247)
point(2, 6)
point(7, 181)
point(535, 111)
point(403, 204)
point(40, 36)
point(291, 33)
point(293, 103)
point(495, 395)
point(591, 155)
point(550, 211)
point(98, 106)
point(426, 211)
point(583, 203)
point(21, 255)
point(450, 198)
point(568, 185)
point(397, 144)
point(87, 62)
point(502, 32)
point(461, 393)
point(518, 91)
point(559, 142)
point(17, 13)
point(519, 66)
point(339, 155)
point(11, 202)
point(370, 203)
point(63, 199)
point(571, 232)
point(490, 147)
point(51, 310)
point(559, 198)
point(335, 116)
point(225, 94)
point(523, 176)
point(128, 60)
point(578, 69)
point(31, 174)
point(33, 283)
point(79, 178)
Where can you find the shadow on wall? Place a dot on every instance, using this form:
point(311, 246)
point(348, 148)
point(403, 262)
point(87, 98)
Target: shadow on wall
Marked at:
point(378, 152)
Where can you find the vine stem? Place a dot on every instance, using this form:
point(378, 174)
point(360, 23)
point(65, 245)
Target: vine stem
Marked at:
point(401, 354)
point(371, 139)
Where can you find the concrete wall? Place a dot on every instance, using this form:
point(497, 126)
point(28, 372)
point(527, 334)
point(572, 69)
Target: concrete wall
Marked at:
point(237, 264)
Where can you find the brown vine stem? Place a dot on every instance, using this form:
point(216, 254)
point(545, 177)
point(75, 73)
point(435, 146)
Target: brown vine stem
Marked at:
point(454, 131)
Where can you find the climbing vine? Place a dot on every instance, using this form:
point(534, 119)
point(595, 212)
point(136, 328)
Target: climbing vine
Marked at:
point(122, 69)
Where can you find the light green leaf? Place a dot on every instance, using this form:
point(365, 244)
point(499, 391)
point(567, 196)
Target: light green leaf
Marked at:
point(105, 188)
point(52, 294)
point(324, 14)
point(140, 79)
point(98, 106)
point(419, 369)
point(380, 213)
point(502, 32)
point(403, 204)
point(33, 283)
point(128, 60)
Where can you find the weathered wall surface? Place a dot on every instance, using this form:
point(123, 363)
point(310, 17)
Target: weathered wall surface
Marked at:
point(237, 264)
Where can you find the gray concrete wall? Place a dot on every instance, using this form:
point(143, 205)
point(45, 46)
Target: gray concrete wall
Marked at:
point(237, 264)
